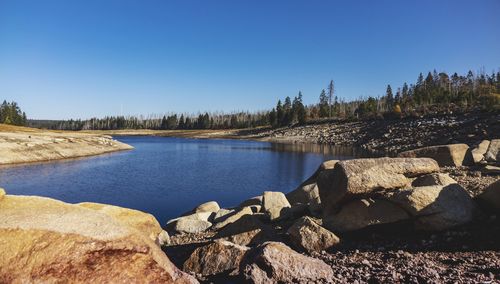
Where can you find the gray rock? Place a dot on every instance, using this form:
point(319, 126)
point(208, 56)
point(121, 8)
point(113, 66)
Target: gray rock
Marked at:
point(308, 191)
point(210, 206)
point(311, 237)
point(222, 214)
point(248, 230)
point(359, 214)
point(453, 155)
point(233, 217)
point(215, 258)
point(274, 203)
point(433, 179)
point(490, 197)
point(257, 200)
point(191, 226)
point(480, 150)
point(274, 262)
point(493, 153)
point(361, 177)
point(436, 207)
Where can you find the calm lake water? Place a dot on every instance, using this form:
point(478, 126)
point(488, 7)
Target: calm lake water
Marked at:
point(168, 176)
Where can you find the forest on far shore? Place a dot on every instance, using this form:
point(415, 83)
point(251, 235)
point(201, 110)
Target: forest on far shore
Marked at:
point(435, 91)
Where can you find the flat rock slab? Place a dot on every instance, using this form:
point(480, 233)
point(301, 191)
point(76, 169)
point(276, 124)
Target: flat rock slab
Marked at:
point(48, 241)
point(363, 176)
point(453, 155)
point(274, 262)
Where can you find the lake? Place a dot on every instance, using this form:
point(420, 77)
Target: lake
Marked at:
point(169, 176)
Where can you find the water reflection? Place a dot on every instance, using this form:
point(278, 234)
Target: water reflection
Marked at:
point(167, 176)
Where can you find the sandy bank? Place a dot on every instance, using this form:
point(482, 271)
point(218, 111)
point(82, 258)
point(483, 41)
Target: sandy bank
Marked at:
point(191, 133)
point(27, 145)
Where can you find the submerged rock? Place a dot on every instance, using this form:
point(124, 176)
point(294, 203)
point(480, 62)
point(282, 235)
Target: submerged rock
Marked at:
point(45, 240)
point(274, 262)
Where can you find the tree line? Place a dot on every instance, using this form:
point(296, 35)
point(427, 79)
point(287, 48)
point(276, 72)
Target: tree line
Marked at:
point(164, 122)
point(435, 90)
point(10, 113)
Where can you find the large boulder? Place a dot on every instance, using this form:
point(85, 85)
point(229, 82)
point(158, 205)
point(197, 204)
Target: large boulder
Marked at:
point(360, 177)
point(210, 206)
point(493, 153)
point(359, 214)
point(479, 151)
point(274, 203)
point(144, 223)
point(248, 230)
point(274, 262)
point(46, 241)
point(453, 155)
point(433, 179)
point(222, 214)
point(490, 198)
point(215, 258)
point(193, 223)
point(257, 200)
point(191, 226)
point(233, 217)
point(311, 237)
point(436, 207)
point(308, 192)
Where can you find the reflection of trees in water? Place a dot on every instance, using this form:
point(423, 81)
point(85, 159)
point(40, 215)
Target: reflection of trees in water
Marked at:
point(338, 152)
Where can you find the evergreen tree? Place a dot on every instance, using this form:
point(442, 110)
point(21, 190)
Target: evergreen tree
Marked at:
point(163, 123)
point(279, 114)
point(323, 104)
point(389, 98)
point(330, 97)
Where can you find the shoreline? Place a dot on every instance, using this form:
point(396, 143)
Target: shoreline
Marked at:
point(23, 145)
point(377, 136)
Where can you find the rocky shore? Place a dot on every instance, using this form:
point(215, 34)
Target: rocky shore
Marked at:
point(391, 136)
point(430, 215)
point(28, 145)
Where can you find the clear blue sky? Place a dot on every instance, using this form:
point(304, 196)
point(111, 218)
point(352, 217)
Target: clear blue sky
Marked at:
point(78, 59)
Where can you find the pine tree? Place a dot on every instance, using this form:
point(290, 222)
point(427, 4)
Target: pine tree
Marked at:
point(330, 97)
point(323, 104)
point(389, 98)
point(279, 114)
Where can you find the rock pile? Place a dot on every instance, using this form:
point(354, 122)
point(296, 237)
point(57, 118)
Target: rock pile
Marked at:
point(271, 238)
point(252, 242)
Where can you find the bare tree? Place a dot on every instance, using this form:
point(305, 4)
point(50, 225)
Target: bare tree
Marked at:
point(330, 96)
